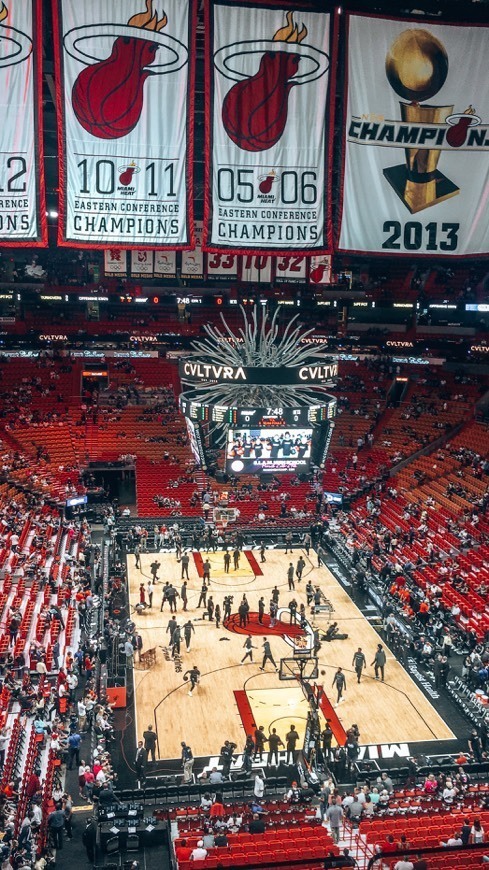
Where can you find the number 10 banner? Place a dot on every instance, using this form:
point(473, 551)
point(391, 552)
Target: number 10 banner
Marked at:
point(268, 127)
point(125, 85)
point(416, 159)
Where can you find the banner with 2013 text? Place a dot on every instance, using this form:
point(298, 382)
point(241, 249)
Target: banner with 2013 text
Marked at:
point(416, 149)
point(125, 71)
point(22, 199)
point(268, 128)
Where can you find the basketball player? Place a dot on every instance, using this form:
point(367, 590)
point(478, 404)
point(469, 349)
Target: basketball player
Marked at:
point(194, 676)
point(359, 663)
point(248, 646)
point(339, 681)
point(267, 655)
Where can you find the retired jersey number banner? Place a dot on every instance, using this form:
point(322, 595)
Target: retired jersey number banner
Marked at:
point(22, 206)
point(125, 98)
point(416, 167)
point(268, 128)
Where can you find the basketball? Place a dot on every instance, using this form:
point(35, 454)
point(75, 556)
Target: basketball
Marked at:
point(323, 673)
point(185, 679)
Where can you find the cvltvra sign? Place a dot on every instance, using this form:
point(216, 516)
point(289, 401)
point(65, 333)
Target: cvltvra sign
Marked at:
point(201, 372)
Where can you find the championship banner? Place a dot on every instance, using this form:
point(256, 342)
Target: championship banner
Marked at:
point(165, 264)
point(141, 264)
point(22, 194)
point(290, 270)
point(256, 270)
point(115, 263)
point(125, 86)
point(416, 162)
point(193, 261)
point(320, 270)
point(222, 267)
point(268, 128)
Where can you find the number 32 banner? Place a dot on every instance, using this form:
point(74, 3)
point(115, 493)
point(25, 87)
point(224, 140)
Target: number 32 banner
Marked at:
point(416, 167)
point(267, 182)
point(125, 97)
point(22, 205)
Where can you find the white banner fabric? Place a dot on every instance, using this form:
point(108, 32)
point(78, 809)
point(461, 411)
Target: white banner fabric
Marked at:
point(256, 269)
point(142, 264)
point(320, 270)
point(222, 267)
point(193, 261)
point(165, 264)
point(22, 206)
point(416, 169)
point(125, 95)
point(268, 128)
point(290, 270)
point(115, 262)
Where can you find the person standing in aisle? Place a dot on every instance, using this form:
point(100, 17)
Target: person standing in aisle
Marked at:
point(141, 762)
point(359, 663)
point(267, 655)
point(339, 682)
point(248, 646)
point(290, 576)
point(379, 662)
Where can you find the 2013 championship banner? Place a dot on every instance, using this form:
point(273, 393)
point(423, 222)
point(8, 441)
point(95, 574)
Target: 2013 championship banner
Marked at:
point(268, 128)
point(416, 167)
point(22, 200)
point(125, 98)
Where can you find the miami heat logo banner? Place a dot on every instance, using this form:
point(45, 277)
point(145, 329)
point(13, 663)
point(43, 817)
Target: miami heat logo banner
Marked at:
point(22, 202)
point(416, 167)
point(267, 128)
point(125, 97)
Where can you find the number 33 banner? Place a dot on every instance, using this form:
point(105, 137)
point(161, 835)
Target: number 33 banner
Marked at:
point(125, 85)
point(416, 152)
point(267, 184)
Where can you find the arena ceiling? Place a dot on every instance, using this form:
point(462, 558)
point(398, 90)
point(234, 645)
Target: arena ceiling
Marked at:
point(454, 10)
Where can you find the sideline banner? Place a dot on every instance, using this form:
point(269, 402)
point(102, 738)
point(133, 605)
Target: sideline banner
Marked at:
point(115, 263)
point(416, 139)
point(22, 195)
point(141, 264)
point(268, 128)
point(193, 261)
point(125, 86)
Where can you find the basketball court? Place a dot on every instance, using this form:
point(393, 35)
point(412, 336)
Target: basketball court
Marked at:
point(232, 699)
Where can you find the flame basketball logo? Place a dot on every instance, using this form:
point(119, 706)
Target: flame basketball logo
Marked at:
point(108, 95)
point(254, 111)
point(15, 46)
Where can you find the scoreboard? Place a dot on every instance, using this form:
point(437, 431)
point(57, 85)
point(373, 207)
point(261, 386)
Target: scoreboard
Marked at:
point(271, 417)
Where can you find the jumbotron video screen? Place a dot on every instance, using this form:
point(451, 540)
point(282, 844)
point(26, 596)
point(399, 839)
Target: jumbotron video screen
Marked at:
point(258, 451)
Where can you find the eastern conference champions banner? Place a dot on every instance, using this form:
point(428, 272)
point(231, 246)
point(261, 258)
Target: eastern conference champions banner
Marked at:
point(125, 97)
point(267, 180)
point(416, 170)
point(22, 205)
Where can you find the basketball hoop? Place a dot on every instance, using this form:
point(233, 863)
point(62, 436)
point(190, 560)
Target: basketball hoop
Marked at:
point(224, 523)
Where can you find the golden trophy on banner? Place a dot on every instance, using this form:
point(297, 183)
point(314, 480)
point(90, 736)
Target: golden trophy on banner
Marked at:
point(416, 66)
